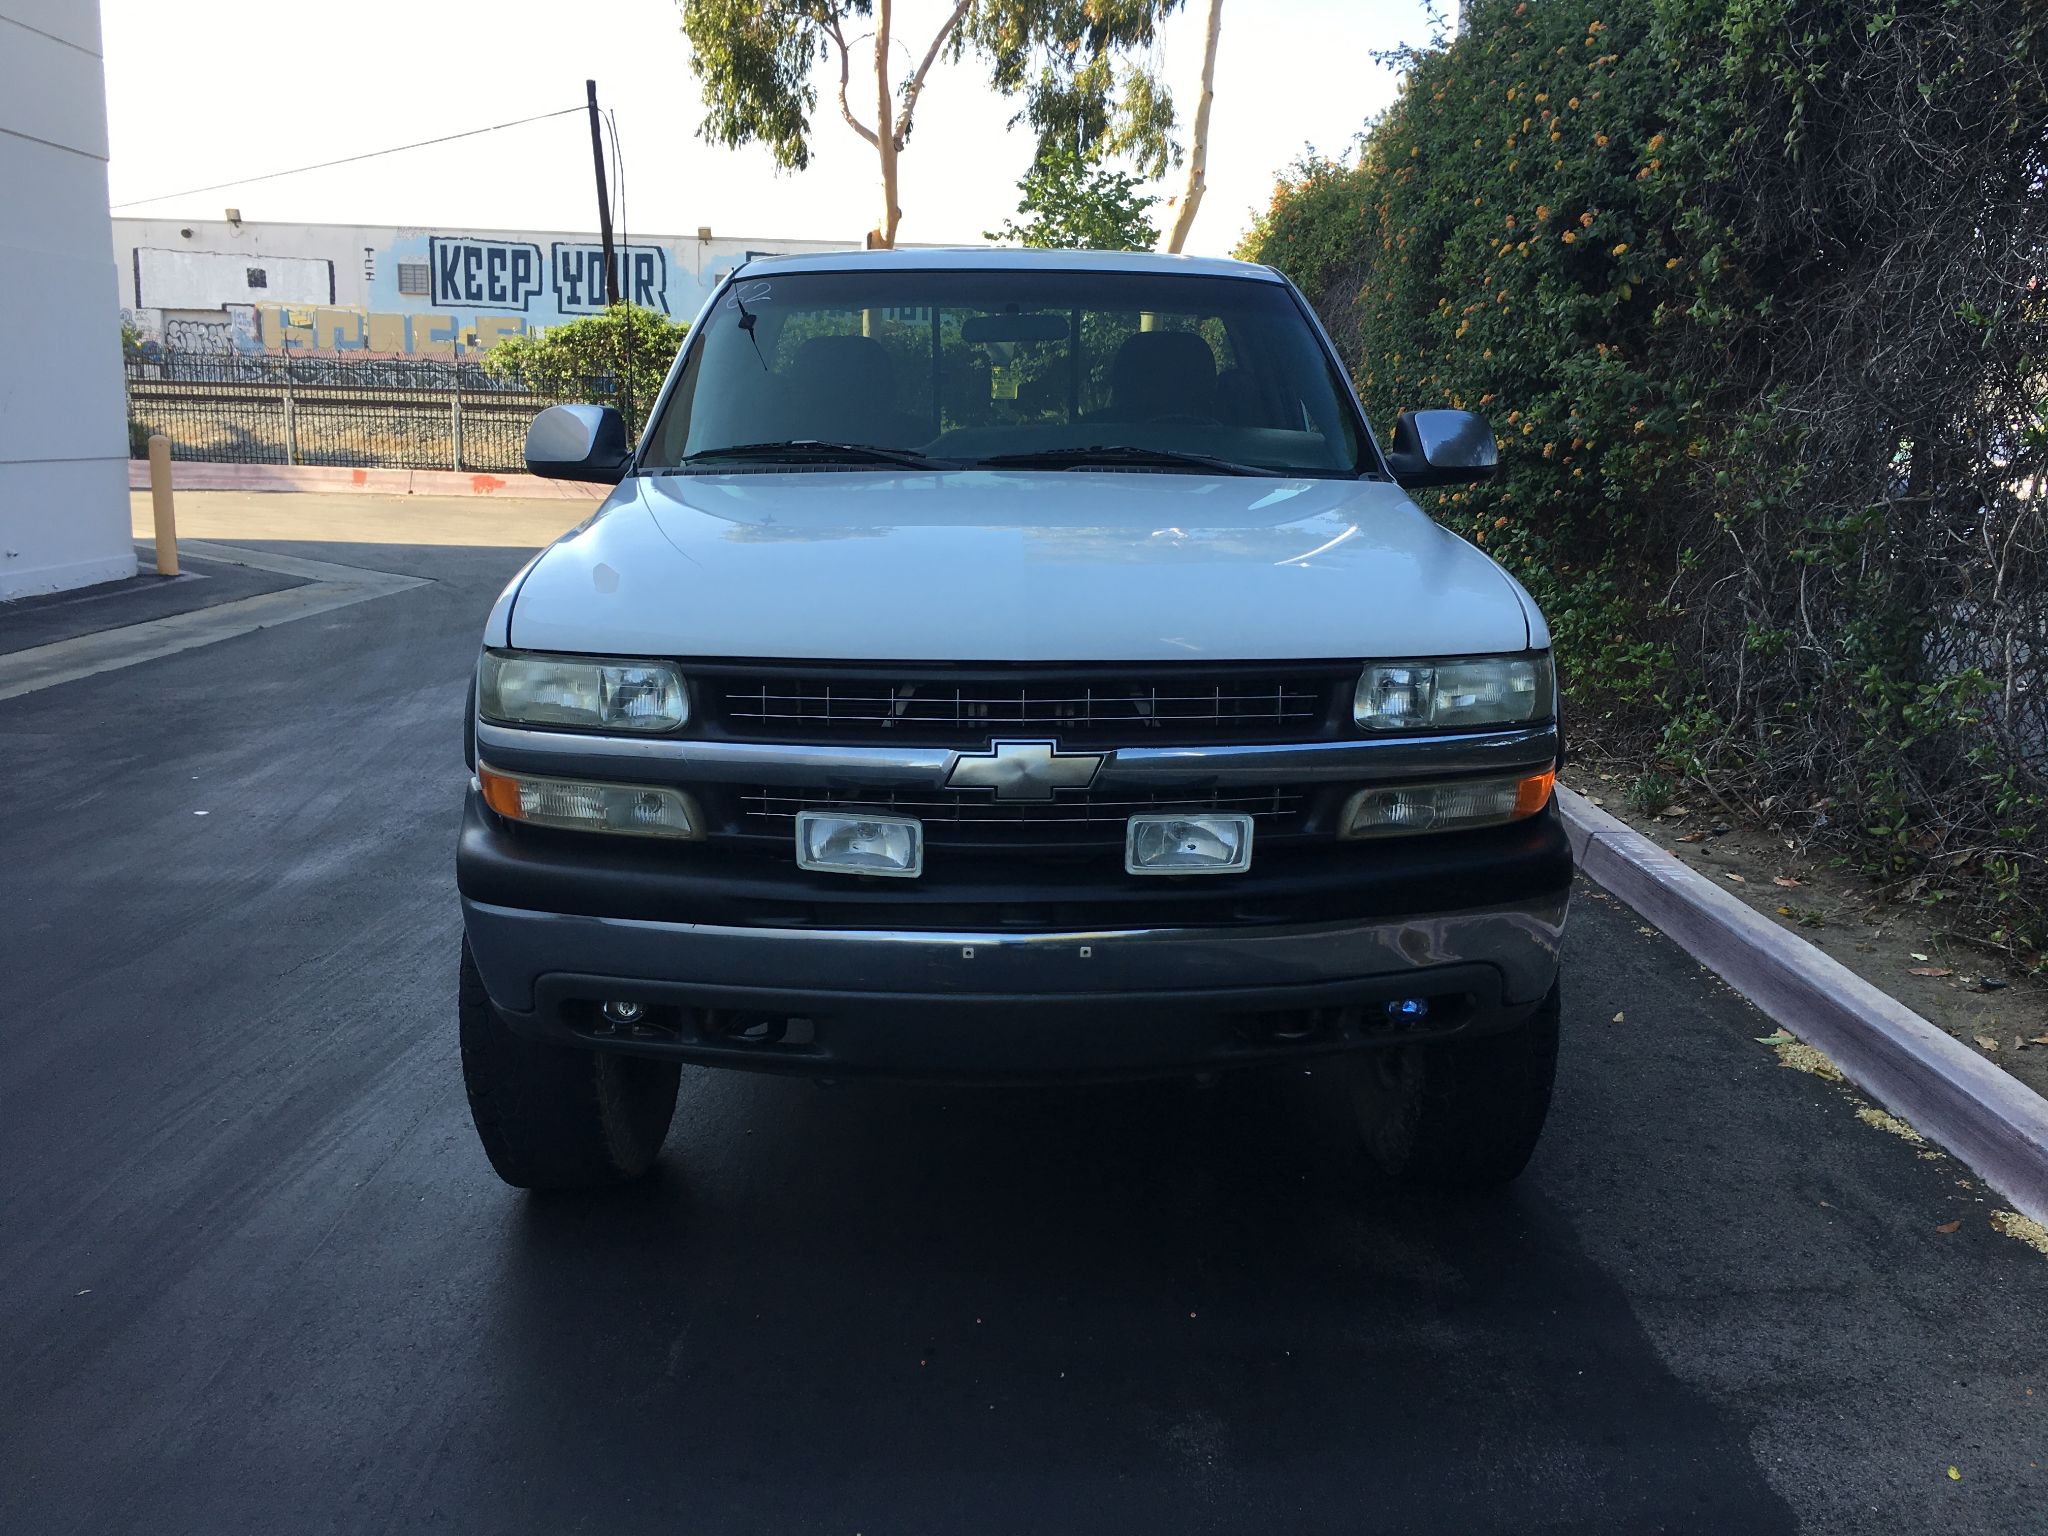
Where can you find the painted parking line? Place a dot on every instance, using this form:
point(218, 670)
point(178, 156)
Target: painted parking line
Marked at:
point(328, 587)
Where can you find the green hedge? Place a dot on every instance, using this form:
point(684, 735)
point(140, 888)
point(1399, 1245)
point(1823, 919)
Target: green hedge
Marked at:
point(1753, 295)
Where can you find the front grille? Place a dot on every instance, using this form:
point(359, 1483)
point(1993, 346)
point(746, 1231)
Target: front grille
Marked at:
point(1078, 819)
point(1079, 706)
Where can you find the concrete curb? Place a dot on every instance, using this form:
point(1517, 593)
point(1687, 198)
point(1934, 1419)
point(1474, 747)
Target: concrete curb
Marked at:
point(383, 482)
point(1992, 1121)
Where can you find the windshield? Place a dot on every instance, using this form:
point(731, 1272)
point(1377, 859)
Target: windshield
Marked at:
point(1017, 368)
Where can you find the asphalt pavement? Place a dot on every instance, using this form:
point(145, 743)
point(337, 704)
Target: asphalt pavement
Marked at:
point(255, 1275)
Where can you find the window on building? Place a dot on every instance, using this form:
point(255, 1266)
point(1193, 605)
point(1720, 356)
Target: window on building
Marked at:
point(414, 278)
point(258, 278)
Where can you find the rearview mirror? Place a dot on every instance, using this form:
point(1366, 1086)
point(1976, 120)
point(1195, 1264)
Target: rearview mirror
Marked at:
point(578, 442)
point(1441, 448)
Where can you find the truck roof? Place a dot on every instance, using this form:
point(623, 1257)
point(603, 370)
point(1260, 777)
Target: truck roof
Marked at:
point(987, 258)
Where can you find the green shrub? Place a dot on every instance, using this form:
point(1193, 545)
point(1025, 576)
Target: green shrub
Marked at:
point(1752, 296)
point(617, 358)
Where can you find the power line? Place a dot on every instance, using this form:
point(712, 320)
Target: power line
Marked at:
point(242, 181)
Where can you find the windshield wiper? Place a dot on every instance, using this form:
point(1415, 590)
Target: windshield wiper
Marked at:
point(810, 448)
point(1119, 453)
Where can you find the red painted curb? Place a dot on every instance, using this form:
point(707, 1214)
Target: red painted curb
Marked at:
point(187, 476)
point(1985, 1116)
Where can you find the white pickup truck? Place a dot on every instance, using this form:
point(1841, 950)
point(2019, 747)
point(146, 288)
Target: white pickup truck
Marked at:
point(1010, 664)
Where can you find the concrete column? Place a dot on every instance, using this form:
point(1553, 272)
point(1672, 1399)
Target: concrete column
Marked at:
point(63, 419)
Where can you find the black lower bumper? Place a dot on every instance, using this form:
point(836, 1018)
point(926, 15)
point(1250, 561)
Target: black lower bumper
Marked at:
point(1024, 971)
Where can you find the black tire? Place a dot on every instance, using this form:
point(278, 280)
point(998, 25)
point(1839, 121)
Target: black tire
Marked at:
point(555, 1117)
point(1459, 1115)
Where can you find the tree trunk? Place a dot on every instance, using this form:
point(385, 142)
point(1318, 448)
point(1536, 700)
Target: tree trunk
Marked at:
point(1198, 151)
point(885, 116)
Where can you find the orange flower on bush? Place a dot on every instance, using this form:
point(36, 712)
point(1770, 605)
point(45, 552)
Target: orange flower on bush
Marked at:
point(1573, 103)
point(1600, 139)
point(1586, 219)
point(1567, 237)
point(1656, 142)
point(1620, 250)
point(1542, 212)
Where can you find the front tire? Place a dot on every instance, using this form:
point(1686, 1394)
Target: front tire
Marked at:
point(1459, 1115)
point(555, 1117)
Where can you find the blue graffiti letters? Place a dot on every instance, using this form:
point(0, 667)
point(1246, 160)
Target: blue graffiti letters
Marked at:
point(492, 274)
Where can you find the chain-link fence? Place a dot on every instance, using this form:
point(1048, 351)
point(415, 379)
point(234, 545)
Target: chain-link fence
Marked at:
point(288, 410)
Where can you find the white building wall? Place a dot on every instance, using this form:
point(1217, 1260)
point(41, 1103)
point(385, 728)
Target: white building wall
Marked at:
point(63, 433)
point(180, 279)
point(439, 292)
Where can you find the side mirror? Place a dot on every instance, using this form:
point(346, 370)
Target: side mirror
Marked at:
point(578, 442)
point(1441, 448)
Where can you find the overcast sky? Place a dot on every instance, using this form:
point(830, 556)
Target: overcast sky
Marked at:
point(205, 90)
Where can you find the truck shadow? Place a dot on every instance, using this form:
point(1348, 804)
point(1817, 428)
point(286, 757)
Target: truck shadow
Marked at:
point(1156, 1306)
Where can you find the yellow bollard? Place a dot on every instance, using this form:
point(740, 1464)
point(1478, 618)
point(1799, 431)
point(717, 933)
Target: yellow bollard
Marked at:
point(160, 497)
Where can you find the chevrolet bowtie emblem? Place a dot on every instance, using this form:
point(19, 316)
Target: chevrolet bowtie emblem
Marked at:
point(1024, 770)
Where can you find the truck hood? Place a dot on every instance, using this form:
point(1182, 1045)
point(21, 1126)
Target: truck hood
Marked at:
point(990, 566)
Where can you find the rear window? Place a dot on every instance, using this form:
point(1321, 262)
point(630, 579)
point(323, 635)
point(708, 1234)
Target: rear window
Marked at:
point(966, 366)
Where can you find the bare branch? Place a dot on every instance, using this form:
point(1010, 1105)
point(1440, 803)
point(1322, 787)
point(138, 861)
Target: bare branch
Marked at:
point(915, 86)
point(845, 107)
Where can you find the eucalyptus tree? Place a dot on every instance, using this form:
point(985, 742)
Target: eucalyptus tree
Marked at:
point(1082, 72)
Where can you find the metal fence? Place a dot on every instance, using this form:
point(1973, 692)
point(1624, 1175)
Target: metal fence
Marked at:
point(288, 410)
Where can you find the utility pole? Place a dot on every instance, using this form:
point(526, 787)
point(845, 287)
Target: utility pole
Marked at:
point(604, 200)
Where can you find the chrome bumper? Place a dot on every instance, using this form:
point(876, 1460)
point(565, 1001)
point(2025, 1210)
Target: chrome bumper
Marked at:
point(681, 760)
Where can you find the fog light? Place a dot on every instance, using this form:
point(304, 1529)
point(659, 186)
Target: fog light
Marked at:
point(1409, 1010)
point(1188, 845)
point(855, 843)
point(623, 1013)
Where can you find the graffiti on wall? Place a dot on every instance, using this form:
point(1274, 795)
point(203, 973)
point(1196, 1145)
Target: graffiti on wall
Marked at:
point(480, 274)
point(256, 330)
point(423, 294)
point(204, 338)
point(281, 328)
point(508, 274)
point(642, 272)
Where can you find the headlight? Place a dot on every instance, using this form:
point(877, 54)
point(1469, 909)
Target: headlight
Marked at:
point(1429, 695)
point(520, 688)
point(1393, 809)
